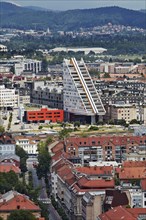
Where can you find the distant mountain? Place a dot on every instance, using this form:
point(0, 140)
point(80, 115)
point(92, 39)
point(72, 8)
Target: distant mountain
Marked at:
point(143, 10)
point(37, 8)
point(14, 16)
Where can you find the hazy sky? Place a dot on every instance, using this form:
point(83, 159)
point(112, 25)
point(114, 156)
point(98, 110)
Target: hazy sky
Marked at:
point(74, 4)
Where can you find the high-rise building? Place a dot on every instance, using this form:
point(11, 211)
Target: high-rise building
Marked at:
point(81, 99)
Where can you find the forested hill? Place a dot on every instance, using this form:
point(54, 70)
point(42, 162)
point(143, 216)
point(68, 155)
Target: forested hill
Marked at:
point(13, 16)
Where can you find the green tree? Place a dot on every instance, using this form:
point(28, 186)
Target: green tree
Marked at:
point(44, 160)
point(64, 133)
point(134, 121)
point(2, 129)
point(77, 124)
point(21, 215)
point(44, 65)
point(23, 157)
point(106, 75)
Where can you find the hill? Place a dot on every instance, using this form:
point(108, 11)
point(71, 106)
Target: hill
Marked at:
point(13, 16)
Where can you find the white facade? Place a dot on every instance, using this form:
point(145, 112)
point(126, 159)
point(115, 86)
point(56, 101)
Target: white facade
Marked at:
point(54, 185)
point(144, 199)
point(80, 95)
point(21, 64)
point(29, 145)
point(7, 149)
point(27, 65)
point(21, 111)
point(3, 48)
point(136, 198)
point(8, 97)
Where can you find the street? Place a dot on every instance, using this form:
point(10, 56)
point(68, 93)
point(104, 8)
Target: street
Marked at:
point(43, 197)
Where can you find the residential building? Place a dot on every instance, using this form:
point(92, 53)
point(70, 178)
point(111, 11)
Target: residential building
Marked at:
point(123, 111)
point(143, 188)
point(13, 200)
point(10, 158)
point(114, 198)
point(123, 213)
point(90, 209)
point(69, 184)
point(7, 167)
point(28, 143)
point(50, 95)
point(112, 147)
point(81, 100)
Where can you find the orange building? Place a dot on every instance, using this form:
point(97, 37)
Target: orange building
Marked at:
point(44, 114)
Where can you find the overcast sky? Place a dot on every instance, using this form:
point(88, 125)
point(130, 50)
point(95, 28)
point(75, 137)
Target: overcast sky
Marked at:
point(81, 4)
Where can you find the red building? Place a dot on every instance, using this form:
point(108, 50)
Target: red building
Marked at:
point(44, 114)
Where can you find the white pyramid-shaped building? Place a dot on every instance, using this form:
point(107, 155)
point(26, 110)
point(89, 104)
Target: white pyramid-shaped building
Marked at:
point(81, 99)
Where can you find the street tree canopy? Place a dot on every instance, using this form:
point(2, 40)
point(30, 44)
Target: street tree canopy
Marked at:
point(23, 157)
point(2, 129)
point(44, 159)
point(21, 215)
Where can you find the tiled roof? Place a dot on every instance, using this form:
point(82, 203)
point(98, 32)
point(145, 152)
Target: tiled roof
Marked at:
point(117, 213)
point(102, 140)
point(7, 167)
point(131, 172)
point(13, 200)
point(65, 172)
point(98, 184)
point(143, 184)
point(58, 147)
point(104, 170)
point(6, 139)
point(134, 164)
point(9, 156)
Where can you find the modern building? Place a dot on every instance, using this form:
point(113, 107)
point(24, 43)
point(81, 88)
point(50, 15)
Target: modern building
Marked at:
point(50, 95)
point(21, 64)
point(9, 98)
point(44, 114)
point(81, 99)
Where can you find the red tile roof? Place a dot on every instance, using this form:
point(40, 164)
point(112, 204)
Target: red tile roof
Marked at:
point(92, 184)
point(121, 213)
point(143, 184)
point(14, 200)
point(104, 170)
point(7, 167)
point(131, 172)
point(134, 164)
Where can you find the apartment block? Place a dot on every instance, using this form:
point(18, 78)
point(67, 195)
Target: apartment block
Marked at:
point(81, 99)
point(98, 148)
point(127, 112)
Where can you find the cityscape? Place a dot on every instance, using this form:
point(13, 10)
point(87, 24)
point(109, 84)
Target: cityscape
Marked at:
point(72, 113)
